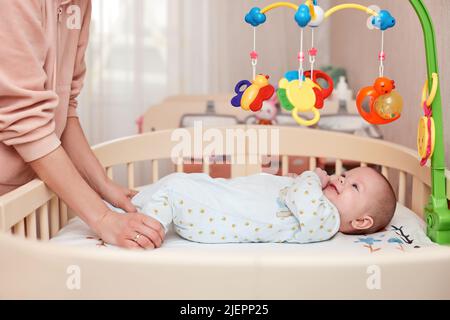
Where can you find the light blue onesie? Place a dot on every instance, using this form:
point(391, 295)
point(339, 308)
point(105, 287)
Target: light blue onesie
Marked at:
point(258, 208)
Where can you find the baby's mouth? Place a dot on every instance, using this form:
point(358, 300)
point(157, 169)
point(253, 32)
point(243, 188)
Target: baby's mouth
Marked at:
point(332, 186)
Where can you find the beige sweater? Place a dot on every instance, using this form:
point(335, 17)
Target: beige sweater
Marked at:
point(42, 46)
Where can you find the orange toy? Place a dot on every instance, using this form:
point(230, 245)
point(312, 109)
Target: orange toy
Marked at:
point(385, 104)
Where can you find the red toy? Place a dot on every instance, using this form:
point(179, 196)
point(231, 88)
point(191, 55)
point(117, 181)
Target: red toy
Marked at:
point(323, 93)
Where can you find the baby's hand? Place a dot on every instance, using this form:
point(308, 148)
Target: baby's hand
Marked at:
point(324, 177)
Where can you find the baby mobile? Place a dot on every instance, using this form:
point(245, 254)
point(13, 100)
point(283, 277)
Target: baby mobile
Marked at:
point(300, 91)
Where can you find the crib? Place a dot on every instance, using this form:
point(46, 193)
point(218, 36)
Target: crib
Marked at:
point(32, 267)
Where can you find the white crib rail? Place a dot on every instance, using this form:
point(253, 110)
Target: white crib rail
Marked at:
point(32, 211)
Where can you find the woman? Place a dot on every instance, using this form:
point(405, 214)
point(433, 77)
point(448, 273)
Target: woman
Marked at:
point(42, 48)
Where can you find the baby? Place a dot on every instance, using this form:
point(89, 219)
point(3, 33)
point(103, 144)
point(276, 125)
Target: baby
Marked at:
point(266, 208)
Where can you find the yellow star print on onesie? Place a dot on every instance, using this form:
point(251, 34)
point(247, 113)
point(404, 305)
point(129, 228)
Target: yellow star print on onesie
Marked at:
point(319, 218)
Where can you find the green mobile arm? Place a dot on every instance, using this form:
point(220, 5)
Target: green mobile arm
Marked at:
point(437, 212)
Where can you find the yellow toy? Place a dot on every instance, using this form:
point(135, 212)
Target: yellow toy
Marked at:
point(304, 100)
point(304, 96)
point(426, 129)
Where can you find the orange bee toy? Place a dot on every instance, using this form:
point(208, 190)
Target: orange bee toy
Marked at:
point(385, 104)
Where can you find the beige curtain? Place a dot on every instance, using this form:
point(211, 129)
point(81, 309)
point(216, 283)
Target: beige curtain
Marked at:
point(126, 66)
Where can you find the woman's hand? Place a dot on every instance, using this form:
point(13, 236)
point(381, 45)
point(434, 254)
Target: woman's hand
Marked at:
point(131, 230)
point(118, 196)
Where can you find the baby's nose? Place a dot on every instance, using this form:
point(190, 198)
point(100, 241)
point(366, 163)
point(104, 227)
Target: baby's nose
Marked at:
point(341, 180)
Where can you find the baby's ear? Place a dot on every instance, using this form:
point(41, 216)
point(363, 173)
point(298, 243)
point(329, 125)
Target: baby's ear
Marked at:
point(363, 223)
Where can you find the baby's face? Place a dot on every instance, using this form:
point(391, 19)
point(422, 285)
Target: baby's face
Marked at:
point(352, 194)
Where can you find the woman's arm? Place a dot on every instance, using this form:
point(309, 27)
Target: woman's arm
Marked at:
point(79, 151)
point(58, 172)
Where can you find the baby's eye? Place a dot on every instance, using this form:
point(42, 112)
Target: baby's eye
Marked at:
point(355, 186)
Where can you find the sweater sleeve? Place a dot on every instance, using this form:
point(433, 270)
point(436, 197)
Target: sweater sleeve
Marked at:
point(26, 107)
point(80, 65)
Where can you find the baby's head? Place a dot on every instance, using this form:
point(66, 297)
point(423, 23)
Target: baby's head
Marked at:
point(364, 198)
